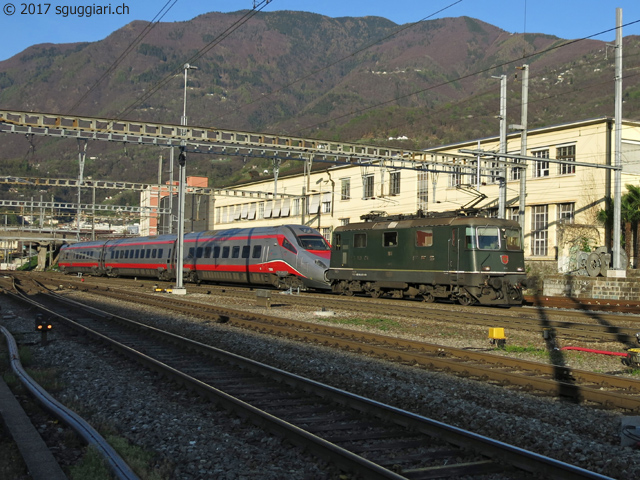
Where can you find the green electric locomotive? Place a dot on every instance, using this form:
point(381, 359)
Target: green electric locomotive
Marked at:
point(467, 259)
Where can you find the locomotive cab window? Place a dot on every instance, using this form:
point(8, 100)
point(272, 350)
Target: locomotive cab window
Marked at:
point(424, 238)
point(390, 239)
point(488, 238)
point(360, 240)
point(313, 242)
point(287, 244)
point(513, 239)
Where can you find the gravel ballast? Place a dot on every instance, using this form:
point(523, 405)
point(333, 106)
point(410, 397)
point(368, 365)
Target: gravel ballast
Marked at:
point(201, 442)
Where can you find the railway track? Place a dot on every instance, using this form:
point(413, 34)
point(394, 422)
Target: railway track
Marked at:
point(554, 378)
point(359, 435)
point(587, 325)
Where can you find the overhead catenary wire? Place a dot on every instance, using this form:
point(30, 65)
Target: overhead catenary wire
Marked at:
point(463, 77)
point(258, 6)
point(145, 31)
point(350, 55)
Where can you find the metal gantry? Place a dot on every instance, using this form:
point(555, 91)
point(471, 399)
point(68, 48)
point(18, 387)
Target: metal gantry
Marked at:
point(220, 141)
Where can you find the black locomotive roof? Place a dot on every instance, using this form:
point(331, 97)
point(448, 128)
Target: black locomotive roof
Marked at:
point(428, 222)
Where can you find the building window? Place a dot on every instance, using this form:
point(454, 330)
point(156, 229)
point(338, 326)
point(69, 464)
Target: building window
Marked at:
point(541, 167)
point(345, 188)
point(513, 213)
point(568, 154)
point(261, 210)
point(515, 172)
point(326, 203)
point(455, 177)
point(394, 183)
point(566, 212)
point(326, 233)
point(495, 172)
point(539, 230)
point(367, 186)
point(344, 221)
point(295, 207)
point(423, 191)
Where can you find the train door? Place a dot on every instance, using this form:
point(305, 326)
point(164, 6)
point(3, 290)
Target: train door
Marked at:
point(172, 261)
point(454, 255)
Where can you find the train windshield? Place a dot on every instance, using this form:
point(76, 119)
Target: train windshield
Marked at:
point(313, 242)
point(488, 238)
point(514, 240)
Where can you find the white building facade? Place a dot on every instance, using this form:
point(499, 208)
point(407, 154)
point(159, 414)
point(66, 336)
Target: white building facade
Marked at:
point(561, 204)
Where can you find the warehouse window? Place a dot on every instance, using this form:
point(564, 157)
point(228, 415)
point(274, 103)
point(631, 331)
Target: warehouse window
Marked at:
point(568, 154)
point(345, 188)
point(390, 239)
point(360, 240)
point(423, 191)
point(367, 186)
point(541, 167)
point(424, 238)
point(539, 230)
point(394, 183)
point(566, 212)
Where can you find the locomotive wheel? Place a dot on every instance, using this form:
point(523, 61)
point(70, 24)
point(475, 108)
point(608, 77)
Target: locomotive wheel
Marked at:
point(375, 293)
point(348, 292)
point(429, 298)
point(465, 299)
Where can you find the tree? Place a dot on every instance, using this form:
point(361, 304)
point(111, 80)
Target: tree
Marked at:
point(631, 216)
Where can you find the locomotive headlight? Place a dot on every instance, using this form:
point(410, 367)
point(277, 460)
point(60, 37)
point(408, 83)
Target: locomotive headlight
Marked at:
point(486, 269)
point(520, 269)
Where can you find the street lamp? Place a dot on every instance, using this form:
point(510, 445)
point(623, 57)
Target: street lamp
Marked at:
point(182, 161)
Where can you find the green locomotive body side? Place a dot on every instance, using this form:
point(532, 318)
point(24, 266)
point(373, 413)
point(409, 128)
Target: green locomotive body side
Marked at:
point(468, 259)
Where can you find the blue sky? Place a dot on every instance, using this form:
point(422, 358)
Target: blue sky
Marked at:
point(566, 19)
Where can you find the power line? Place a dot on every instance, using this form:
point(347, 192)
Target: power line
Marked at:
point(258, 6)
point(350, 55)
point(449, 82)
point(145, 31)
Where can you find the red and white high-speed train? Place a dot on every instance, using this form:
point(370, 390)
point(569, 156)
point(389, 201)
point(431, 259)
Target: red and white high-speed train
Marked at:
point(284, 256)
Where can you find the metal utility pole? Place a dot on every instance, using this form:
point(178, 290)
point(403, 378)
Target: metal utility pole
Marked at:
point(502, 194)
point(82, 152)
point(523, 142)
point(182, 161)
point(617, 182)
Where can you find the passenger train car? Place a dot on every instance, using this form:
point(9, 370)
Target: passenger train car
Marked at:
point(283, 256)
point(461, 258)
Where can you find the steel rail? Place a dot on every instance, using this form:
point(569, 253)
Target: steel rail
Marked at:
point(115, 463)
point(515, 456)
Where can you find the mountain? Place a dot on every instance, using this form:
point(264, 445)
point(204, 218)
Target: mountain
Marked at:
point(357, 79)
